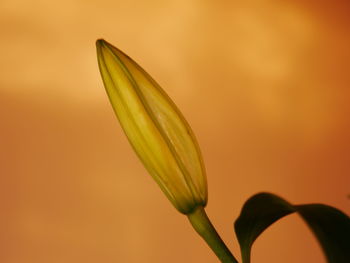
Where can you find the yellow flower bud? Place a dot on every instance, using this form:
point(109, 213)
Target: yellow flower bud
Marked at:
point(156, 129)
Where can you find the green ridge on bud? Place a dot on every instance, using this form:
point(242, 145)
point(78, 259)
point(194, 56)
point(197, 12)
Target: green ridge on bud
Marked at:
point(155, 128)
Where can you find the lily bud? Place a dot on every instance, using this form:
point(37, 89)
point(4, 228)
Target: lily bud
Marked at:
point(155, 128)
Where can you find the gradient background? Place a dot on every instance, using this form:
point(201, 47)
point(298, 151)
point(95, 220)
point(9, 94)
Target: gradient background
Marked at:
point(264, 84)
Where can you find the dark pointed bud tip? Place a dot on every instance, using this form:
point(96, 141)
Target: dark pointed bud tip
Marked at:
point(100, 42)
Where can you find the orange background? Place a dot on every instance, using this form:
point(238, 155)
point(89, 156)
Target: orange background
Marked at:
point(264, 85)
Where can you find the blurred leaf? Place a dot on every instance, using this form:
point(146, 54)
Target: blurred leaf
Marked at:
point(258, 213)
point(330, 226)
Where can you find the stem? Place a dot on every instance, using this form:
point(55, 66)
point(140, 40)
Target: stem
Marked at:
point(206, 230)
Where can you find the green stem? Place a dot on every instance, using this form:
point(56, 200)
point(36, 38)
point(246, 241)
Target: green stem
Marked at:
point(206, 230)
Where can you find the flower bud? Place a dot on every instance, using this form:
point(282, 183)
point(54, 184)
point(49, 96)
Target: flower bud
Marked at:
point(155, 128)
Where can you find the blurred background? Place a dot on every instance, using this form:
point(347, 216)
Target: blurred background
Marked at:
point(264, 85)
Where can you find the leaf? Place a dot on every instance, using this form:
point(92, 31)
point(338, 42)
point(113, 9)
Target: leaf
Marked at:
point(330, 226)
point(258, 213)
point(332, 229)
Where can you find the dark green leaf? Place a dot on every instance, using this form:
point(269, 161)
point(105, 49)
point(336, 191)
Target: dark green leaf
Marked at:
point(330, 226)
point(257, 214)
point(332, 229)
